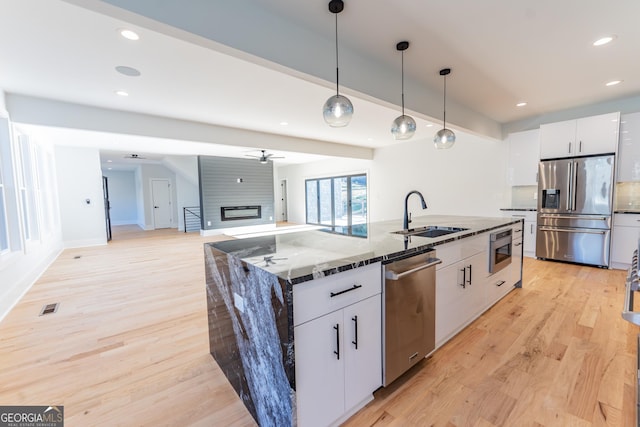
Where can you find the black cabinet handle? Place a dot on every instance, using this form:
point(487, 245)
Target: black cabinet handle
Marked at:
point(464, 277)
point(500, 283)
point(353, 288)
point(355, 321)
point(337, 351)
point(469, 281)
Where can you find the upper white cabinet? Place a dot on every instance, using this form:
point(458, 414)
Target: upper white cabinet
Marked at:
point(629, 148)
point(581, 137)
point(524, 151)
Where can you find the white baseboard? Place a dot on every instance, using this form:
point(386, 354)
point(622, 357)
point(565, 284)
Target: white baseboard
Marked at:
point(84, 243)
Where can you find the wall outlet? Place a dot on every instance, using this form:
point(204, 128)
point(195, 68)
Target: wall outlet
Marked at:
point(208, 223)
point(238, 302)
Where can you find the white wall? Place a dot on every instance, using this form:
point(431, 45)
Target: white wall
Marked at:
point(80, 178)
point(122, 197)
point(468, 179)
point(186, 171)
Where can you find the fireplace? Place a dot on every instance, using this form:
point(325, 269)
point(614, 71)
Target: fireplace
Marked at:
point(233, 213)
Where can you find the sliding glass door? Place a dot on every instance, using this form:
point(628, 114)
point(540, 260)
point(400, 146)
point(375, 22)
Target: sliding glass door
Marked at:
point(337, 201)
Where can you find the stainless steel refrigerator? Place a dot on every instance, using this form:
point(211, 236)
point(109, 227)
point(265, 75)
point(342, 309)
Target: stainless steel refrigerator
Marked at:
point(575, 204)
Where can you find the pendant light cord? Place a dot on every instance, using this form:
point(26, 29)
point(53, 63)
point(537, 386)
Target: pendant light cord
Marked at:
point(402, 56)
point(444, 105)
point(337, 68)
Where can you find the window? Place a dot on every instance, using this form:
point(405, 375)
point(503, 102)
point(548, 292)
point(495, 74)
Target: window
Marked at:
point(5, 184)
point(337, 201)
point(29, 190)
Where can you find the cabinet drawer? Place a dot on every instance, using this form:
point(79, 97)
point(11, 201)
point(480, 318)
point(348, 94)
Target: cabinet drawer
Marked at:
point(626, 220)
point(526, 215)
point(499, 284)
point(450, 253)
point(314, 298)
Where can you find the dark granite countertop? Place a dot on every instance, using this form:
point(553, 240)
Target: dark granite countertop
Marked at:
point(304, 255)
point(519, 209)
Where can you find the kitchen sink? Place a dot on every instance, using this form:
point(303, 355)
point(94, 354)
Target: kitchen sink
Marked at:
point(430, 231)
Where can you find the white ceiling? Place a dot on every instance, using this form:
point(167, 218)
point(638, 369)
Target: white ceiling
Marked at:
point(500, 52)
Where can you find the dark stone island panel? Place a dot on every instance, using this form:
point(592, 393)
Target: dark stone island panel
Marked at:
point(253, 345)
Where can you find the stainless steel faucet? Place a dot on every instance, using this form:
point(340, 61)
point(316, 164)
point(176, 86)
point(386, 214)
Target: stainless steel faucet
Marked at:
point(407, 216)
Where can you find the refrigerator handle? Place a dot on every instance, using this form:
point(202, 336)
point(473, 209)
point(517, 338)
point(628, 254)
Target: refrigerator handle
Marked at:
point(569, 185)
point(575, 185)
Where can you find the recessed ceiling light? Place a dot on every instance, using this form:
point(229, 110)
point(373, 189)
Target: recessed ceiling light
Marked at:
point(430, 125)
point(521, 104)
point(604, 40)
point(369, 139)
point(284, 123)
point(613, 82)
point(109, 161)
point(129, 35)
point(127, 71)
point(121, 93)
point(109, 168)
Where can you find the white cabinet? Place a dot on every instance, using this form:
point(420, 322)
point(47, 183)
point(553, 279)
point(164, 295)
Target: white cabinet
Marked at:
point(529, 230)
point(524, 153)
point(629, 148)
point(581, 137)
point(626, 232)
point(460, 285)
point(338, 344)
point(502, 282)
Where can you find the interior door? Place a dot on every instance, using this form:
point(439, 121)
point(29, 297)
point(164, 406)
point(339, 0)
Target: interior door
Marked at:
point(161, 199)
point(283, 200)
point(107, 207)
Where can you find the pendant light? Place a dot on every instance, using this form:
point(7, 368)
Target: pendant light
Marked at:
point(403, 127)
point(338, 110)
point(445, 138)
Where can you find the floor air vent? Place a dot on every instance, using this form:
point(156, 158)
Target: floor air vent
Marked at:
point(49, 308)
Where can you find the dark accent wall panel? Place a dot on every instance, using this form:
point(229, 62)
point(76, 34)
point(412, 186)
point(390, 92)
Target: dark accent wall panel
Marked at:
point(219, 187)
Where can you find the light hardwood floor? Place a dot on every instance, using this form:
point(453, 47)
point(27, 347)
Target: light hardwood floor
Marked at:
point(129, 347)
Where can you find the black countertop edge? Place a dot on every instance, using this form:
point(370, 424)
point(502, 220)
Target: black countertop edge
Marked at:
point(387, 258)
point(627, 212)
point(520, 209)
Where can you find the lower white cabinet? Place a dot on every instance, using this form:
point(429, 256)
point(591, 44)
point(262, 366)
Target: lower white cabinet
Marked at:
point(624, 240)
point(338, 354)
point(529, 230)
point(459, 294)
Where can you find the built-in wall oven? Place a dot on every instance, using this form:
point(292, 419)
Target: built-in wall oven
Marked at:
point(500, 250)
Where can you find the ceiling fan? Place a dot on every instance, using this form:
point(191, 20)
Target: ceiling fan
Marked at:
point(134, 156)
point(264, 157)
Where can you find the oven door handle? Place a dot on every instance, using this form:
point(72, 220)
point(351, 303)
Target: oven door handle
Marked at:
point(580, 230)
point(392, 275)
point(590, 218)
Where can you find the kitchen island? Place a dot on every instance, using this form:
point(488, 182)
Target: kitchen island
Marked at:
point(251, 288)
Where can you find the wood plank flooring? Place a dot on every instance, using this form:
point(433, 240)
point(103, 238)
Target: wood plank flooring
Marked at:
point(129, 347)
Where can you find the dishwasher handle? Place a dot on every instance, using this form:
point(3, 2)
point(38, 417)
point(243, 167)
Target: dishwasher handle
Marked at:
point(392, 275)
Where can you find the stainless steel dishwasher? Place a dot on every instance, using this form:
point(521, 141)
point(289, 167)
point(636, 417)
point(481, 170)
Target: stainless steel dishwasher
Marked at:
point(409, 313)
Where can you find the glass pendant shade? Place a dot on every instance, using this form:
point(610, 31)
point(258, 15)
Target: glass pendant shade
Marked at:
point(337, 111)
point(403, 127)
point(445, 138)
